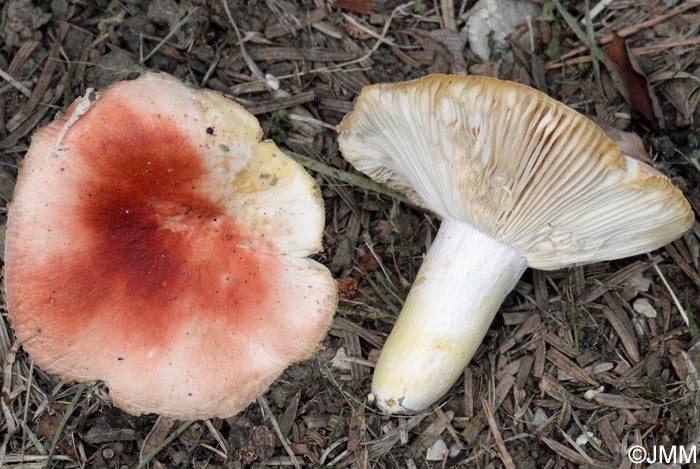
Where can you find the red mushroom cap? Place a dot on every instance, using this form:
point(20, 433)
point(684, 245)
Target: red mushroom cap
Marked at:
point(155, 243)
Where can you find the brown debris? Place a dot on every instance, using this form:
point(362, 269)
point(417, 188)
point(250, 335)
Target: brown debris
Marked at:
point(283, 54)
point(641, 94)
point(572, 455)
point(628, 31)
point(251, 443)
point(674, 249)
point(280, 29)
point(629, 142)
point(619, 401)
point(556, 391)
point(622, 325)
point(615, 279)
point(493, 426)
point(282, 103)
point(543, 375)
point(565, 364)
point(347, 288)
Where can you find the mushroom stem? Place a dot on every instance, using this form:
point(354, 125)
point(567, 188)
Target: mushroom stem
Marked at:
point(464, 279)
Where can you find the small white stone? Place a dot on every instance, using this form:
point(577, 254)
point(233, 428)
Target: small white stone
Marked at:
point(272, 82)
point(643, 307)
point(591, 393)
point(584, 438)
point(638, 323)
point(639, 281)
point(339, 361)
point(539, 418)
point(437, 451)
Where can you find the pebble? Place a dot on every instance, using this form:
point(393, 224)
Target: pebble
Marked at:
point(437, 451)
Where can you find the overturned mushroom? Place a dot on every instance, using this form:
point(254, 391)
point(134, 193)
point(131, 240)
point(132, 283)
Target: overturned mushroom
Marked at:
point(519, 180)
point(154, 242)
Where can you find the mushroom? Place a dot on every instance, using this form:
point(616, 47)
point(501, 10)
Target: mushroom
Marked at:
point(519, 180)
point(154, 242)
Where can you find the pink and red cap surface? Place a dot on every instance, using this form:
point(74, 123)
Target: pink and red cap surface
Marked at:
point(154, 242)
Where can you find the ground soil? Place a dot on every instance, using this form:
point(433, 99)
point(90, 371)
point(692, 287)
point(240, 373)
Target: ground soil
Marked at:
point(528, 398)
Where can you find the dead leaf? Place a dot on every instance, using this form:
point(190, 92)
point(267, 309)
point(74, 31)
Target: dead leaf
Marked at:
point(483, 69)
point(368, 262)
point(158, 434)
point(684, 95)
point(364, 7)
point(641, 95)
point(455, 43)
point(444, 60)
point(48, 426)
point(630, 143)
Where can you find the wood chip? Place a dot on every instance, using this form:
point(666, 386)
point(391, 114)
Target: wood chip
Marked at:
point(572, 455)
point(30, 124)
point(422, 57)
point(42, 85)
point(15, 83)
point(687, 269)
point(337, 105)
point(616, 278)
point(538, 366)
point(102, 432)
point(609, 436)
point(618, 401)
point(502, 389)
point(258, 86)
point(280, 29)
point(493, 426)
point(587, 357)
point(429, 435)
point(563, 363)
point(404, 57)
point(356, 429)
point(540, 286)
point(524, 371)
point(24, 52)
point(447, 8)
point(286, 420)
point(341, 324)
point(352, 345)
point(513, 319)
point(468, 401)
point(556, 391)
point(328, 29)
point(282, 103)
point(528, 327)
point(279, 54)
point(621, 323)
point(381, 445)
point(558, 343)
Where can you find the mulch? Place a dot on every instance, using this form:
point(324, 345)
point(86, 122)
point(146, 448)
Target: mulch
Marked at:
point(580, 364)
